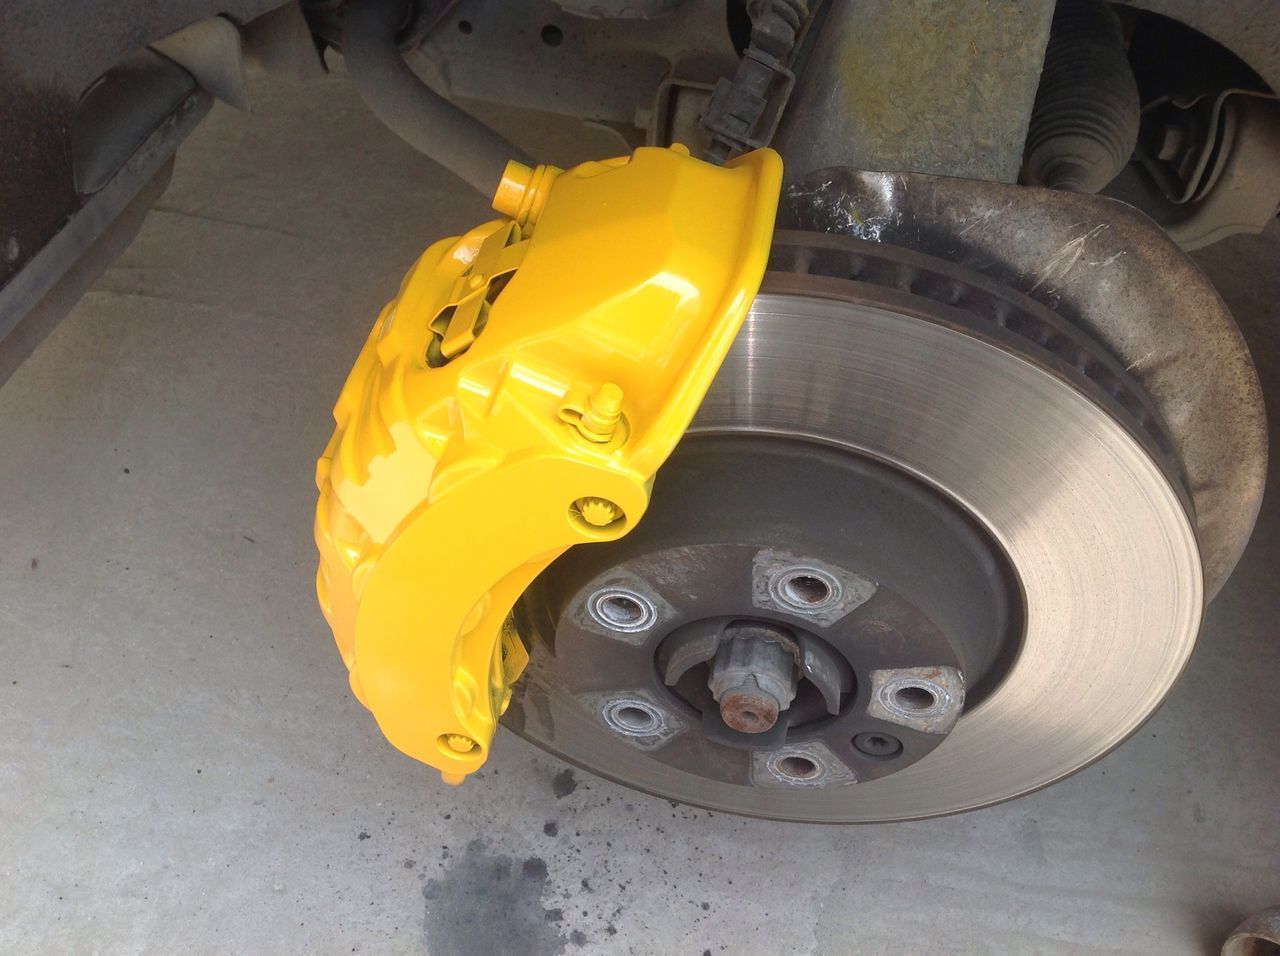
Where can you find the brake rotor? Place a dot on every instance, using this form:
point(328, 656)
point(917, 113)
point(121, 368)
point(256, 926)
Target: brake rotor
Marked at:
point(1008, 578)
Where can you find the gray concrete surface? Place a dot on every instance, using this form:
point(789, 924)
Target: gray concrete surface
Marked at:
point(183, 769)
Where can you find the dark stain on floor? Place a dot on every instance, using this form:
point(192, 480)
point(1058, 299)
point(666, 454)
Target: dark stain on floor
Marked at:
point(488, 904)
point(564, 783)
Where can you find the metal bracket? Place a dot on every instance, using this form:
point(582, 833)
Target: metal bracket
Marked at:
point(463, 317)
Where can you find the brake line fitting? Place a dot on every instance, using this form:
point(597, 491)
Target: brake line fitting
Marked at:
point(744, 112)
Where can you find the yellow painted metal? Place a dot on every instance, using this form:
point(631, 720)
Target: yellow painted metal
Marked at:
point(513, 400)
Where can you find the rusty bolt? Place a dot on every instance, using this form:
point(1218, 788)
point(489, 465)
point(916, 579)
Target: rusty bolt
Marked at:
point(749, 710)
point(753, 676)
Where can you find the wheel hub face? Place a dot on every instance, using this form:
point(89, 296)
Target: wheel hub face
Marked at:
point(792, 596)
point(1074, 607)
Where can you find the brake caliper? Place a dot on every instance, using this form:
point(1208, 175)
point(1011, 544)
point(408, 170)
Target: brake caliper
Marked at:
point(513, 400)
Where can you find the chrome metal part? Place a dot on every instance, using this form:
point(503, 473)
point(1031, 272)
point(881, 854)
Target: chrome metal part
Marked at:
point(1106, 270)
point(632, 717)
point(621, 609)
point(943, 88)
point(804, 589)
point(1083, 504)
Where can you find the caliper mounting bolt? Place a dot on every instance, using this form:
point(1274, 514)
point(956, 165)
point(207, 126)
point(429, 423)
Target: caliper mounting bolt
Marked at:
point(459, 743)
point(597, 512)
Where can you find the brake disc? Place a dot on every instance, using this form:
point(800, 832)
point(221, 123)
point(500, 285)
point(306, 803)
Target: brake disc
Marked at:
point(958, 515)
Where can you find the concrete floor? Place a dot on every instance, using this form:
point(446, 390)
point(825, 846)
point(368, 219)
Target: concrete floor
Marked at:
point(184, 769)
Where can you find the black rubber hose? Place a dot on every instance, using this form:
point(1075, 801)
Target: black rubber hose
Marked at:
point(414, 112)
point(1084, 125)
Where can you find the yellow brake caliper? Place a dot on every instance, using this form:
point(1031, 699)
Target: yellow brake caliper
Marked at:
point(515, 399)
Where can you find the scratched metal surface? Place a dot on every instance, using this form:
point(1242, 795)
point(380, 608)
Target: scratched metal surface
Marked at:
point(1099, 264)
point(184, 770)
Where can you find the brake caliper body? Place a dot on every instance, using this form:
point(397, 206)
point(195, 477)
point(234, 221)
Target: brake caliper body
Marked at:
point(515, 399)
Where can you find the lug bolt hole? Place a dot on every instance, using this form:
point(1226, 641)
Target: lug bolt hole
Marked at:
point(621, 610)
point(797, 767)
point(806, 589)
point(879, 745)
point(632, 718)
point(916, 700)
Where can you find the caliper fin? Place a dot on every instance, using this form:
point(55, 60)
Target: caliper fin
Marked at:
point(513, 400)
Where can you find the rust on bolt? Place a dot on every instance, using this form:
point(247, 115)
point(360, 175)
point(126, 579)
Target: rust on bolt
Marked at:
point(748, 711)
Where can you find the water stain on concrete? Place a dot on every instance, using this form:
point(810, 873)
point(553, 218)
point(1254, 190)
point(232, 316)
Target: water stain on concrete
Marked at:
point(488, 904)
point(564, 783)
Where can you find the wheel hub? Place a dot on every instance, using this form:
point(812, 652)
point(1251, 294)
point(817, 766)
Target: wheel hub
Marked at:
point(819, 600)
